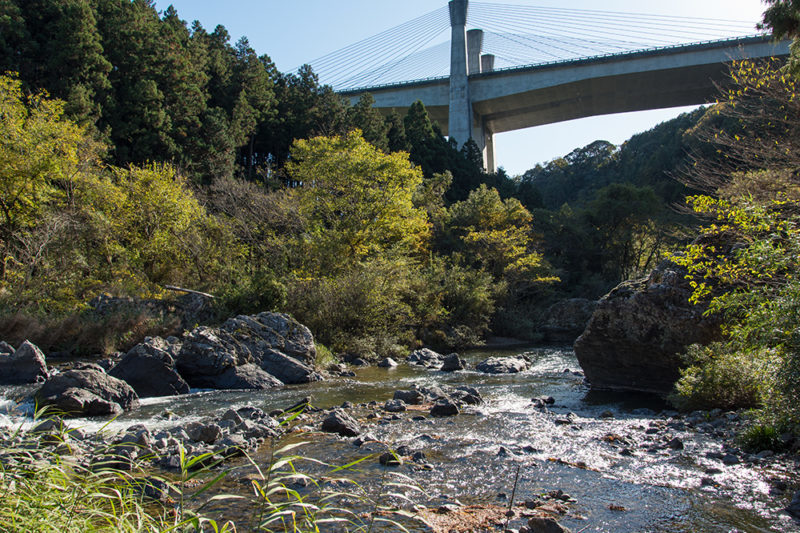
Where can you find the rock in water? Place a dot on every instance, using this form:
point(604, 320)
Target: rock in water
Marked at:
point(453, 362)
point(502, 365)
point(25, 365)
point(638, 331)
point(150, 370)
point(794, 507)
point(87, 393)
point(425, 357)
point(341, 423)
point(277, 331)
point(545, 525)
point(444, 407)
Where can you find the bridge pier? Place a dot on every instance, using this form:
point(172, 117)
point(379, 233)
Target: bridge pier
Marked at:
point(460, 119)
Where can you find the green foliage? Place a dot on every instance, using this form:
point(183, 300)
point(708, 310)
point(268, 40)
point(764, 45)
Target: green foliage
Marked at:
point(717, 377)
point(357, 201)
point(761, 436)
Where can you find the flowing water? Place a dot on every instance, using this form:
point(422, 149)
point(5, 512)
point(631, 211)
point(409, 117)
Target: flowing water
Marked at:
point(477, 454)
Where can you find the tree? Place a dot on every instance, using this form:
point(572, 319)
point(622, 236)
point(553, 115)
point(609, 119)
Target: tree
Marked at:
point(357, 201)
point(41, 156)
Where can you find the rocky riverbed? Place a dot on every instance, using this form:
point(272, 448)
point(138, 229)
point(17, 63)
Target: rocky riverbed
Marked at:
point(621, 462)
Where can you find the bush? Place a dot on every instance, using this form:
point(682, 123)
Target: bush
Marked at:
point(261, 291)
point(759, 437)
point(720, 378)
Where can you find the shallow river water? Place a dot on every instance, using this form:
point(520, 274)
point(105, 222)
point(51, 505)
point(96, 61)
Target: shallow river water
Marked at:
point(477, 454)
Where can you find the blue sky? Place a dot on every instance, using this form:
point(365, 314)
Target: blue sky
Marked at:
point(299, 31)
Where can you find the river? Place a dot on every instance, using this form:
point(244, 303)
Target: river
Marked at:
point(595, 447)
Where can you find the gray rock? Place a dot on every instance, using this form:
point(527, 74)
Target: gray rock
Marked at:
point(390, 459)
point(395, 406)
point(206, 433)
point(675, 444)
point(638, 331)
point(150, 369)
point(25, 365)
point(502, 365)
point(410, 397)
point(545, 525)
point(286, 368)
point(248, 377)
point(466, 395)
point(341, 423)
point(730, 459)
point(426, 357)
point(87, 393)
point(6, 348)
point(277, 331)
point(444, 407)
point(453, 362)
point(794, 506)
point(206, 353)
point(387, 362)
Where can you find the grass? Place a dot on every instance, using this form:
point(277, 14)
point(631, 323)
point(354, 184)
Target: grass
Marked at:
point(44, 488)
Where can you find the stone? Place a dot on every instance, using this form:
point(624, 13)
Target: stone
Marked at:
point(426, 357)
point(466, 395)
point(794, 507)
point(277, 331)
point(730, 459)
point(567, 319)
point(453, 362)
point(6, 348)
point(246, 377)
point(286, 368)
point(502, 365)
point(409, 397)
point(545, 525)
point(205, 433)
point(341, 423)
point(444, 407)
point(25, 365)
point(675, 444)
point(395, 406)
point(206, 353)
point(387, 362)
point(87, 393)
point(635, 337)
point(150, 369)
point(390, 459)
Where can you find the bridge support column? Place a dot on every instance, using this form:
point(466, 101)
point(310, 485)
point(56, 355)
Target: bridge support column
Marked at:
point(474, 49)
point(484, 138)
point(460, 121)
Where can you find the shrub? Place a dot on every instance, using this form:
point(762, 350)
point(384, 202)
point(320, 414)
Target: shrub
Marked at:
point(720, 378)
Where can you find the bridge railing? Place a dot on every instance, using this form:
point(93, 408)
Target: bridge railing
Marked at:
point(575, 61)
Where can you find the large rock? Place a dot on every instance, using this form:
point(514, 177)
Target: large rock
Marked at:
point(150, 369)
point(277, 331)
point(567, 319)
point(502, 365)
point(87, 393)
point(248, 376)
point(638, 331)
point(285, 368)
point(206, 353)
point(25, 365)
point(794, 507)
point(426, 357)
point(225, 357)
point(453, 362)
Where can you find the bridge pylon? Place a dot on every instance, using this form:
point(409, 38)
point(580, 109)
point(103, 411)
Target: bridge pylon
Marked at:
point(465, 59)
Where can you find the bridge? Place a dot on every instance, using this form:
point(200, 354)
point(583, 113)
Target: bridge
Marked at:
point(556, 65)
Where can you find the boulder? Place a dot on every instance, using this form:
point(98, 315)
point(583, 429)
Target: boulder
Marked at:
point(207, 352)
point(387, 362)
point(426, 357)
point(794, 506)
point(87, 393)
point(444, 407)
point(453, 362)
point(410, 397)
point(277, 331)
point(635, 337)
point(248, 377)
point(285, 368)
point(567, 319)
point(150, 369)
point(341, 423)
point(394, 406)
point(25, 365)
point(503, 365)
